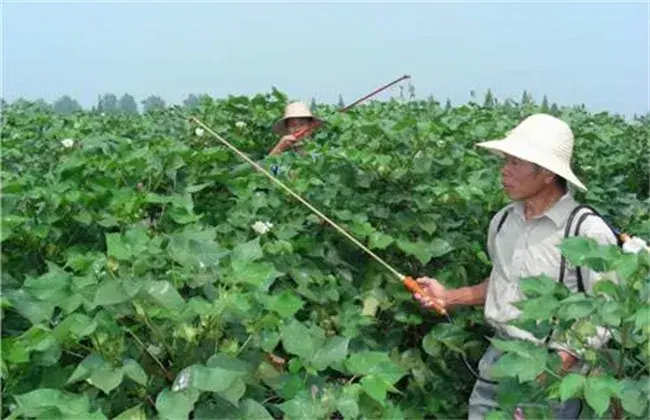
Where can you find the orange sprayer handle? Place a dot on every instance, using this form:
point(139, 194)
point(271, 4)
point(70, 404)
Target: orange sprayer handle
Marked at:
point(415, 288)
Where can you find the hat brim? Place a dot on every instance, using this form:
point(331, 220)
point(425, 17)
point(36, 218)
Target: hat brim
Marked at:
point(509, 146)
point(281, 128)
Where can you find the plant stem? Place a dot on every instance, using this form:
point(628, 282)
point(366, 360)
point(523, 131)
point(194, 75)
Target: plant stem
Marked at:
point(624, 337)
point(160, 337)
point(167, 374)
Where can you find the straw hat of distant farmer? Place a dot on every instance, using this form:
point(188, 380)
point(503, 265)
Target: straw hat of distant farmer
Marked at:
point(297, 115)
point(545, 141)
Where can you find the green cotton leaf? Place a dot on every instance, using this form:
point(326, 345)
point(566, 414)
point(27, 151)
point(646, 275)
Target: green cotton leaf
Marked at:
point(235, 392)
point(571, 386)
point(577, 249)
point(597, 392)
point(610, 313)
point(303, 407)
point(164, 293)
point(26, 305)
point(195, 188)
point(541, 308)
point(332, 353)
point(376, 388)
point(439, 247)
point(106, 378)
point(114, 291)
point(577, 309)
point(269, 340)
point(628, 265)
point(44, 402)
point(299, 340)
point(157, 198)
point(90, 364)
point(128, 245)
point(449, 335)
point(348, 402)
point(133, 370)
point(252, 410)
point(586, 252)
point(175, 405)
point(52, 286)
point(634, 396)
point(375, 363)
point(378, 240)
point(134, 413)
point(642, 318)
point(230, 363)
point(607, 288)
point(286, 304)
point(247, 252)
point(77, 324)
point(427, 224)
point(538, 286)
point(195, 248)
point(523, 368)
point(419, 250)
point(257, 274)
point(204, 378)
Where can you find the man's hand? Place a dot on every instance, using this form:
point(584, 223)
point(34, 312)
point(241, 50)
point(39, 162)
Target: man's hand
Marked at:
point(288, 141)
point(435, 294)
point(568, 361)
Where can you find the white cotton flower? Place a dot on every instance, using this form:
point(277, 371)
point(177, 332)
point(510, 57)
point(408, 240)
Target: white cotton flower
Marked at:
point(261, 227)
point(635, 245)
point(199, 132)
point(67, 143)
point(240, 124)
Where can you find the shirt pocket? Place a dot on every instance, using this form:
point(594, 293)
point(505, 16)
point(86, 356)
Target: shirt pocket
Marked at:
point(540, 258)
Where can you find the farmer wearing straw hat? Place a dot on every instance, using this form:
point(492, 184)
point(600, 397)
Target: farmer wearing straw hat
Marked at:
point(297, 116)
point(522, 241)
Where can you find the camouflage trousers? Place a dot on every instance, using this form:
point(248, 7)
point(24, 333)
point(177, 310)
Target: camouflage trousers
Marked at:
point(483, 398)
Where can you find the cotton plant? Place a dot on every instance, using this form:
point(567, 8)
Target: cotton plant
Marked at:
point(67, 143)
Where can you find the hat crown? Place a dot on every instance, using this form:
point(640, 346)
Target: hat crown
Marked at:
point(546, 134)
point(297, 110)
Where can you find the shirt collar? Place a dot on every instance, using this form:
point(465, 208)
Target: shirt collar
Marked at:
point(558, 212)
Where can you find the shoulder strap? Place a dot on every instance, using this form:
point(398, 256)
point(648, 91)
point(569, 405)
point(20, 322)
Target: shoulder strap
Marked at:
point(567, 231)
point(502, 221)
point(576, 231)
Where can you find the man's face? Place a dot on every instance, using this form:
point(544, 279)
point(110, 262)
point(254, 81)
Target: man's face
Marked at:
point(522, 179)
point(296, 124)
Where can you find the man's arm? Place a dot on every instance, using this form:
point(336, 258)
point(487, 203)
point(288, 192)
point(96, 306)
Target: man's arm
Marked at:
point(467, 296)
point(445, 299)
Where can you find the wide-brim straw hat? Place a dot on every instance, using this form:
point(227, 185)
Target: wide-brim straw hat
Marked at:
point(293, 110)
point(541, 139)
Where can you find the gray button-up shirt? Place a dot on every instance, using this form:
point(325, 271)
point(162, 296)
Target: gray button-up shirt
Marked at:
point(530, 248)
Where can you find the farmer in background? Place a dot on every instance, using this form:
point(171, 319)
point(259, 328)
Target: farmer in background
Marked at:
point(297, 116)
point(536, 176)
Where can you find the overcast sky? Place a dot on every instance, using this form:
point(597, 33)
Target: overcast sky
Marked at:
point(586, 52)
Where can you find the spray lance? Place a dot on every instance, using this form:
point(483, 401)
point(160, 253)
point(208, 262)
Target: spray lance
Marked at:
point(408, 281)
point(302, 132)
